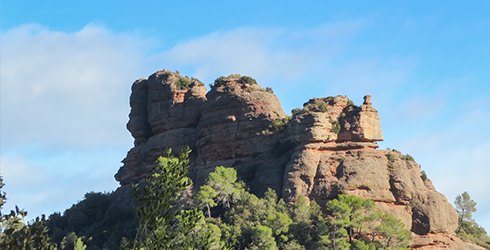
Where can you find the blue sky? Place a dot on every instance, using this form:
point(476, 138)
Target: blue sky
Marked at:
point(67, 68)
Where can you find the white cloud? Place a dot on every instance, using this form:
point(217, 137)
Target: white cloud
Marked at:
point(264, 53)
point(66, 88)
point(42, 182)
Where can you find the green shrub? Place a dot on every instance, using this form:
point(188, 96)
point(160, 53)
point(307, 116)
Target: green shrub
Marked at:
point(199, 83)
point(183, 83)
point(219, 81)
point(336, 127)
point(408, 158)
point(423, 175)
point(350, 104)
point(279, 124)
point(296, 111)
point(390, 157)
point(322, 107)
point(269, 90)
point(247, 79)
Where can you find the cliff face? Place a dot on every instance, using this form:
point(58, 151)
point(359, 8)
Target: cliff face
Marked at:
point(325, 149)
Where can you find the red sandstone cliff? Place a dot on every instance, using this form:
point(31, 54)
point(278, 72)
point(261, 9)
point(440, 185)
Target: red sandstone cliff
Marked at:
point(325, 149)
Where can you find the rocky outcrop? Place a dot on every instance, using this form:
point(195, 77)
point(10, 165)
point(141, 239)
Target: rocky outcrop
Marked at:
point(324, 149)
point(165, 110)
point(169, 111)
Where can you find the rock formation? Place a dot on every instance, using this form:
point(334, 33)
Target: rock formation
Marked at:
point(325, 149)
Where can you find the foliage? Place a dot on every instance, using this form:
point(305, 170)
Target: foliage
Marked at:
point(247, 80)
point(269, 223)
point(336, 127)
point(269, 90)
point(468, 229)
point(16, 235)
point(223, 182)
point(279, 124)
point(350, 104)
point(72, 242)
point(183, 83)
point(465, 207)
point(408, 158)
point(99, 219)
point(296, 111)
point(199, 83)
point(160, 226)
point(423, 175)
point(315, 105)
point(390, 157)
point(472, 232)
point(353, 216)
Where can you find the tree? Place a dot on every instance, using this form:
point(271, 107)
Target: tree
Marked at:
point(16, 235)
point(393, 231)
point(161, 227)
point(72, 242)
point(206, 196)
point(262, 238)
point(351, 214)
point(340, 220)
point(223, 181)
point(465, 207)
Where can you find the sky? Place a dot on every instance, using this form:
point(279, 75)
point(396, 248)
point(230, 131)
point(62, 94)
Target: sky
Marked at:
point(66, 69)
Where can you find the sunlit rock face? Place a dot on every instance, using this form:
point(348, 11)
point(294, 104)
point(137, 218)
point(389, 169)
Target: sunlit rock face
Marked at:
point(324, 149)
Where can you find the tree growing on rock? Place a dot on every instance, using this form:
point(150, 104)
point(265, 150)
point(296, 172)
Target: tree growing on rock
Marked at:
point(161, 226)
point(465, 207)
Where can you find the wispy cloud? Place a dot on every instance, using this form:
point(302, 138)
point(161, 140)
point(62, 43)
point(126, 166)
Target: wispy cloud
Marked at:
point(66, 88)
point(265, 53)
point(64, 106)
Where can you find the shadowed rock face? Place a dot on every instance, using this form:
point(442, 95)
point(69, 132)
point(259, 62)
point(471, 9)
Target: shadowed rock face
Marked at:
point(325, 149)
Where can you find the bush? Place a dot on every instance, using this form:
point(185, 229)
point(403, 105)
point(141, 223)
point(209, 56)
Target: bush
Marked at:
point(408, 158)
point(350, 104)
point(279, 124)
point(247, 79)
point(296, 111)
point(336, 127)
point(423, 175)
point(199, 83)
point(183, 83)
point(322, 107)
point(219, 81)
point(269, 90)
point(390, 157)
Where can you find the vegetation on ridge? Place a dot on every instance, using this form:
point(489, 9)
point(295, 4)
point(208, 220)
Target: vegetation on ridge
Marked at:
point(236, 219)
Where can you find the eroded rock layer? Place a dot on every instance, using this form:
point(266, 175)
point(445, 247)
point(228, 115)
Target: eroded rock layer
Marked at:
point(325, 149)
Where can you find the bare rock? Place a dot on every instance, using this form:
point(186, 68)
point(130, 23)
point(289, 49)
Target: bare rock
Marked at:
point(322, 173)
point(165, 110)
point(237, 110)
